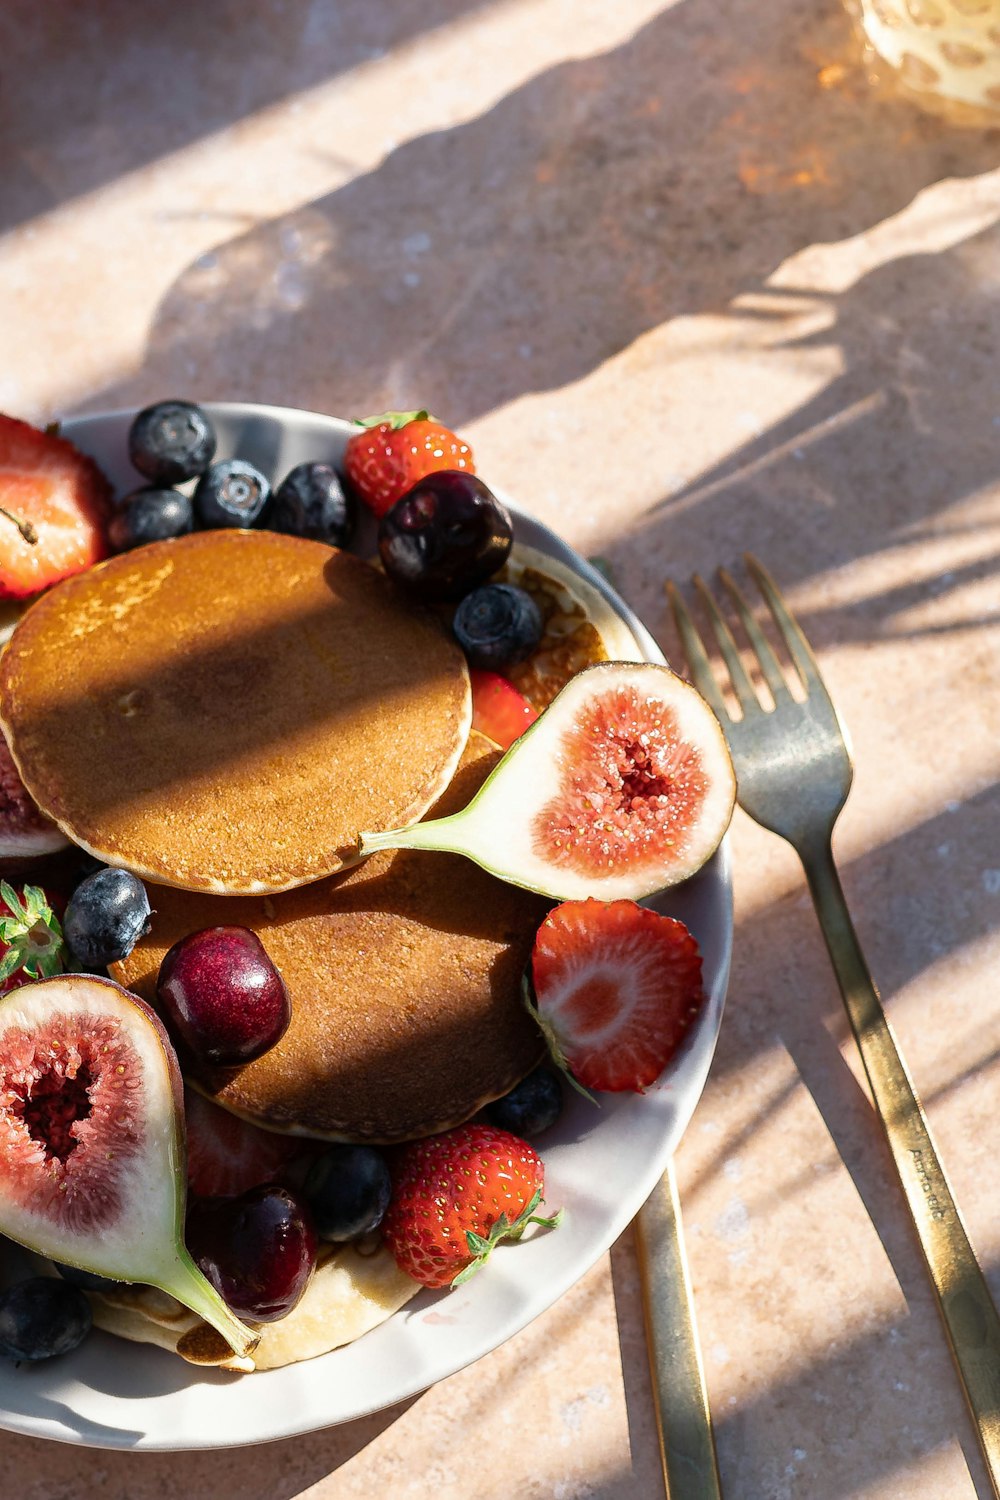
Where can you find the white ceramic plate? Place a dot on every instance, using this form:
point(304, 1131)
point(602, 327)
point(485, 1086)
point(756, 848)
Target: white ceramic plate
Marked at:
point(601, 1163)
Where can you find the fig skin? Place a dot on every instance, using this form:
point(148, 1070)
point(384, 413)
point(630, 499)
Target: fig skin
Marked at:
point(129, 1228)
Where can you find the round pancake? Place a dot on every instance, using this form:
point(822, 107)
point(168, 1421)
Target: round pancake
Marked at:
point(225, 711)
point(404, 975)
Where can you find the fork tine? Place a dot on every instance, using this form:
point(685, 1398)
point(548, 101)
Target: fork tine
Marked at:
point(758, 640)
point(799, 648)
point(701, 667)
point(730, 653)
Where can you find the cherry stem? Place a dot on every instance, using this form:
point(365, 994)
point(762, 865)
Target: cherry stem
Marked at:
point(24, 527)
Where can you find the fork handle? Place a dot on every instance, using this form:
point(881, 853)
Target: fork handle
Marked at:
point(967, 1309)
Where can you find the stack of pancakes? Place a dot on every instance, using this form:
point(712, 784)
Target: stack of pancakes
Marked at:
point(222, 714)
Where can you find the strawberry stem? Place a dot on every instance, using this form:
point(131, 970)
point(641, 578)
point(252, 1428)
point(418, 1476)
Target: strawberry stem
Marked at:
point(24, 527)
point(480, 1246)
point(556, 1053)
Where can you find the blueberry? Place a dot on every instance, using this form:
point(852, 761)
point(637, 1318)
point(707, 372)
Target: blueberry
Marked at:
point(347, 1189)
point(89, 1280)
point(231, 493)
point(445, 536)
point(41, 1318)
point(311, 501)
point(531, 1106)
point(105, 917)
point(497, 625)
point(150, 515)
point(171, 441)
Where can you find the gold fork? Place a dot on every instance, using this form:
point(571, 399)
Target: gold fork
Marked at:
point(794, 771)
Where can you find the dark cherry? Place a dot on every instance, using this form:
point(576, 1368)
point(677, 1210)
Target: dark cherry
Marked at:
point(445, 536)
point(257, 1250)
point(223, 996)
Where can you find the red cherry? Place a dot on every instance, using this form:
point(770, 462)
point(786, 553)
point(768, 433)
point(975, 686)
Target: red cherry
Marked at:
point(223, 996)
point(258, 1250)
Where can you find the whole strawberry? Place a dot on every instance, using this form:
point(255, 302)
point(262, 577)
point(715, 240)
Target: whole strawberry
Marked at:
point(31, 940)
point(389, 454)
point(455, 1196)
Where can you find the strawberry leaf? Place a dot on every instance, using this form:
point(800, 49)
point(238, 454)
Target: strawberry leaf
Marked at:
point(31, 935)
point(394, 419)
point(12, 901)
point(480, 1248)
point(9, 964)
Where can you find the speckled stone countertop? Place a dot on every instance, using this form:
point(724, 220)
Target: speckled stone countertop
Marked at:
point(689, 288)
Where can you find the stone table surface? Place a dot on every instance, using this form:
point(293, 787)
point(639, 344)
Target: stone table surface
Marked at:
point(689, 287)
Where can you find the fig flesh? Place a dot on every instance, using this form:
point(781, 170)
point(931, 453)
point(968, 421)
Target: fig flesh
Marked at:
point(622, 787)
point(92, 1169)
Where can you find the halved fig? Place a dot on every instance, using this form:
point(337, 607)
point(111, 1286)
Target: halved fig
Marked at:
point(622, 787)
point(92, 1170)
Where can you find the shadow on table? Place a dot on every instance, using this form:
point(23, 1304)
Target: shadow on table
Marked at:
point(267, 1471)
point(910, 421)
point(913, 405)
point(847, 1456)
point(92, 93)
point(519, 250)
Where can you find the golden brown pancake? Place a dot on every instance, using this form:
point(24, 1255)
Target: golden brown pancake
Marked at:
point(224, 712)
point(404, 975)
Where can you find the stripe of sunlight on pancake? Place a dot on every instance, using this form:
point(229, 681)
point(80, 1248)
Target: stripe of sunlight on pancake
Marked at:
point(132, 250)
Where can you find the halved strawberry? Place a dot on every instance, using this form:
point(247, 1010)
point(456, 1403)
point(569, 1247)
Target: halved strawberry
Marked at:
point(617, 987)
point(50, 489)
point(390, 453)
point(227, 1156)
point(498, 710)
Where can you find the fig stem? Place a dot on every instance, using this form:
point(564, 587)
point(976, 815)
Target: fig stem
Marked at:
point(417, 836)
point(190, 1286)
point(24, 527)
